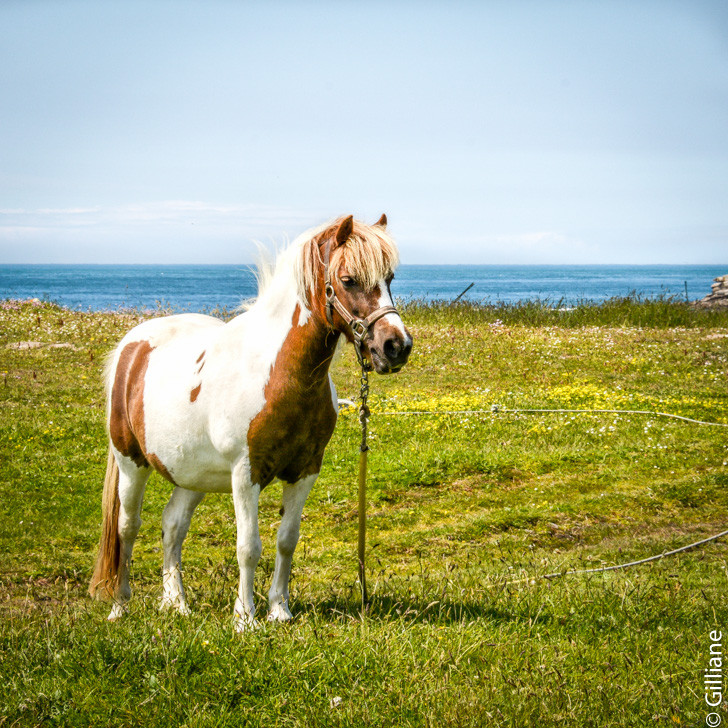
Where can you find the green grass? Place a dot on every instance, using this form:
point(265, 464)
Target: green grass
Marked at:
point(658, 312)
point(465, 513)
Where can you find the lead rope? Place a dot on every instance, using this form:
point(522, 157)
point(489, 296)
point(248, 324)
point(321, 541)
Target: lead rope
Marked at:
point(363, 450)
point(359, 330)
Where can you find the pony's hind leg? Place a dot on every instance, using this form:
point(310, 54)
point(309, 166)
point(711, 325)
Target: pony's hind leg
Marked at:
point(293, 500)
point(175, 524)
point(246, 495)
point(132, 481)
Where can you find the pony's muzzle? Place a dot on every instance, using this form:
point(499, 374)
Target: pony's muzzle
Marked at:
point(390, 351)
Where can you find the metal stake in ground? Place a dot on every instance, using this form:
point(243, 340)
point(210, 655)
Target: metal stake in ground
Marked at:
point(463, 293)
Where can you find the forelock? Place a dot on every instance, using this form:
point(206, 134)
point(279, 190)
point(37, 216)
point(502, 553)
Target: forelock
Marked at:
point(369, 255)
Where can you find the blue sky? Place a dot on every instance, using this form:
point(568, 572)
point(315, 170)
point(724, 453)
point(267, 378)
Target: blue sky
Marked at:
point(489, 132)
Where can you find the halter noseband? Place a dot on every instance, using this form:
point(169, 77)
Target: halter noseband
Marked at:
point(359, 327)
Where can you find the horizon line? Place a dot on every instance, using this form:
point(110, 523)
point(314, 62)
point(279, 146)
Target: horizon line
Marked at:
point(253, 264)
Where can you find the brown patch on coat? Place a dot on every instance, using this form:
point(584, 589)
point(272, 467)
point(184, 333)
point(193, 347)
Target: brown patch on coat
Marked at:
point(159, 466)
point(199, 358)
point(195, 392)
point(126, 417)
point(287, 438)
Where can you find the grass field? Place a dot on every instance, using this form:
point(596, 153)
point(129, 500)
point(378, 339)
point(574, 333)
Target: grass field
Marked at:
point(465, 513)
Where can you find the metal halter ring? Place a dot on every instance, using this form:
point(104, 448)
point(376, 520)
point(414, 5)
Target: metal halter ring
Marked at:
point(359, 329)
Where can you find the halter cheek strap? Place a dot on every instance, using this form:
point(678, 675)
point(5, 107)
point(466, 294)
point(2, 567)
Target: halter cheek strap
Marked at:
point(359, 327)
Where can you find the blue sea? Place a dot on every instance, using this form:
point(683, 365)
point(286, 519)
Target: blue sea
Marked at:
point(206, 287)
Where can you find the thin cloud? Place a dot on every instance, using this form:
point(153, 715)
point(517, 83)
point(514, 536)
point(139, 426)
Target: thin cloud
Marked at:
point(181, 230)
point(151, 211)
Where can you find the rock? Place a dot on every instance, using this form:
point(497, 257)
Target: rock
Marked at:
point(25, 345)
point(718, 297)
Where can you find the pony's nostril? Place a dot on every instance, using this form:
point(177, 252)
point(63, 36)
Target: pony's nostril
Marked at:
point(392, 348)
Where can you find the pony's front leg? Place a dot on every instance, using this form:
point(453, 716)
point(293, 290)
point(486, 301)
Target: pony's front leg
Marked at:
point(249, 547)
point(175, 524)
point(293, 500)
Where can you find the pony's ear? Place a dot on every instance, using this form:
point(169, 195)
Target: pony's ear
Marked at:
point(382, 222)
point(345, 230)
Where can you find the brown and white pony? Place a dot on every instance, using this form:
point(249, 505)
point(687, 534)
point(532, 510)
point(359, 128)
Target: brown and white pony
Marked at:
point(221, 407)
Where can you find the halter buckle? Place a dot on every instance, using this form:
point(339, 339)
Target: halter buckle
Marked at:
point(359, 329)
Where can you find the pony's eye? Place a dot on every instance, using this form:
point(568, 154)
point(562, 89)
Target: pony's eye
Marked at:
point(348, 282)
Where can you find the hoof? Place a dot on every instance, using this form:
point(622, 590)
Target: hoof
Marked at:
point(178, 606)
point(279, 613)
point(117, 612)
point(245, 623)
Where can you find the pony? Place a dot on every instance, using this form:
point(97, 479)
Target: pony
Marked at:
point(228, 407)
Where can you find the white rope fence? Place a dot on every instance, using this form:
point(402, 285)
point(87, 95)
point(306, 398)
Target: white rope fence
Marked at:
point(615, 567)
point(497, 409)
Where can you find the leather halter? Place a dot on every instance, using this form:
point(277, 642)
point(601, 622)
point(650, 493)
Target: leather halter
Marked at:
point(359, 327)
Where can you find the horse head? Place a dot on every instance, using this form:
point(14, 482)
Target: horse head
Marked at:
point(358, 268)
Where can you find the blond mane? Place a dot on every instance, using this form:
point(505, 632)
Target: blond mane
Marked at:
point(369, 255)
